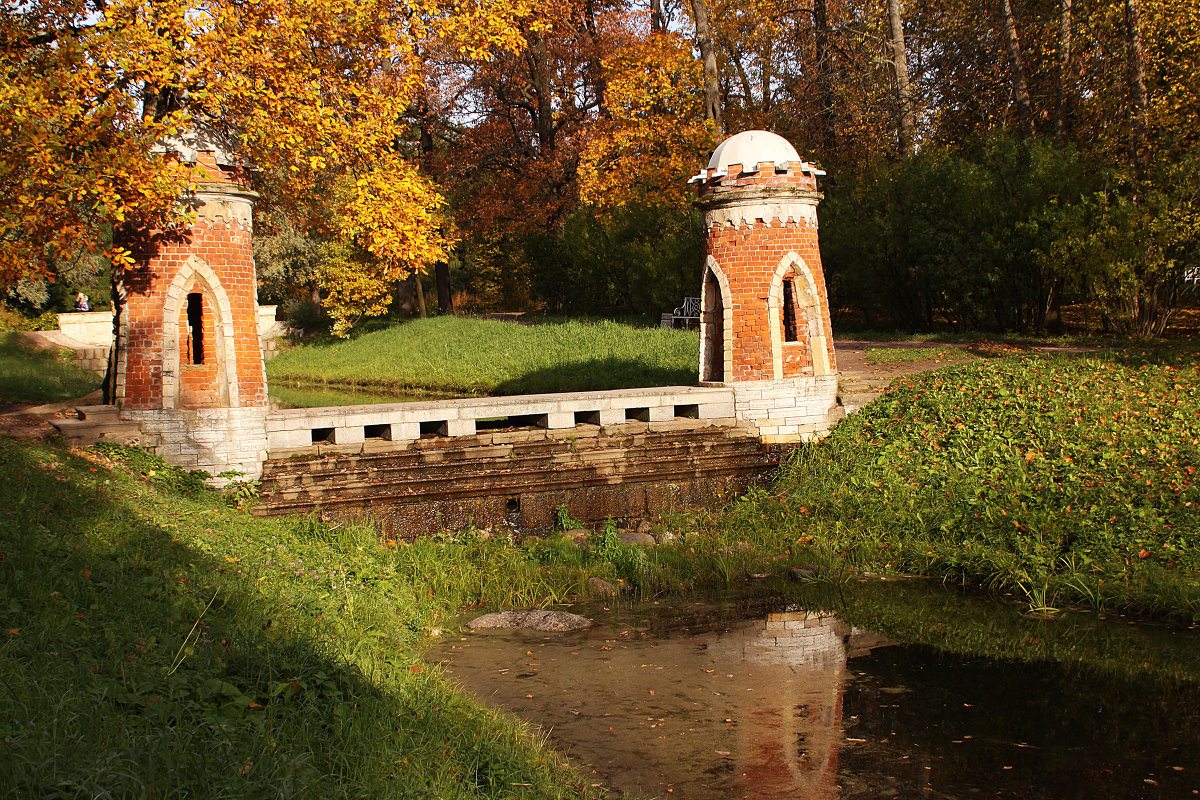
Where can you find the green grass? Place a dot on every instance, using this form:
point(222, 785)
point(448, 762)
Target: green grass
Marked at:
point(155, 642)
point(907, 355)
point(28, 374)
point(305, 395)
point(470, 356)
point(1058, 479)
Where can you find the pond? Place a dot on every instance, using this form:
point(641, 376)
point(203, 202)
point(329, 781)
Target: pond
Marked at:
point(765, 700)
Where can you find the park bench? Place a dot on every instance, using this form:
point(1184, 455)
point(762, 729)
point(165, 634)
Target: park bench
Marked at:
point(688, 313)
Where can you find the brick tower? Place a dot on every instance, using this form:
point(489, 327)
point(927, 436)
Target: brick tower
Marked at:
point(188, 365)
point(764, 321)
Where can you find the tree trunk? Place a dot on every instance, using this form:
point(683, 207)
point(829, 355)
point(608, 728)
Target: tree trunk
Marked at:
point(708, 55)
point(1139, 98)
point(1066, 95)
point(441, 275)
point(1016, 70)
point(595, 67)
point(658, 21)
point(420, 292)
point(823, 70)
point(539, 72)
point(767, 77)
point(903, 87)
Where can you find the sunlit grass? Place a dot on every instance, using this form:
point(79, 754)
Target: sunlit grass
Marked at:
point(473, 356)
point(1060, 480)
point(904, 355)
point(28, 374)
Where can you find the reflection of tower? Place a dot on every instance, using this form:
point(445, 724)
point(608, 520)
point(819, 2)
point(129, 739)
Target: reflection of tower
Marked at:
point(764, 320)
point(188, 365)
point(789, 741)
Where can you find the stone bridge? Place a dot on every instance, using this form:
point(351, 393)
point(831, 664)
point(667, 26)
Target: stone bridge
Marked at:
point(186, 374)
point(416, 467)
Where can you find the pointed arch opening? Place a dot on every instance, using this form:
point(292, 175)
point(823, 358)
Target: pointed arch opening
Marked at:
point(797, 320)
point(716, 325)
point(199, 358)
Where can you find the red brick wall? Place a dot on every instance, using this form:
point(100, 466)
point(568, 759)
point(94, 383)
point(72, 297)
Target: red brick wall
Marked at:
point(749, 257)
point(198, 387)
point(750, 254)
point(224, 244)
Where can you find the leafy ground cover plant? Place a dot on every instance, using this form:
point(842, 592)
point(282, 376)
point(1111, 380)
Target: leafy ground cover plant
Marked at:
point(31, 375)
point(1061, 479)
point(475, 356)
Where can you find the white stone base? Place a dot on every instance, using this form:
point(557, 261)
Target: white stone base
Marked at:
point(215, 440)
point(791, 410)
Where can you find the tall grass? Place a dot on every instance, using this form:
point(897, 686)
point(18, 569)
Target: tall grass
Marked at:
point(475, 356)
point(155, 642)
point(28, 374)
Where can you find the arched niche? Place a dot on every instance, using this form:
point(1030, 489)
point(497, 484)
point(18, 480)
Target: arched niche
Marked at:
point(196, 277)
point(793, 283)
point(716, 325)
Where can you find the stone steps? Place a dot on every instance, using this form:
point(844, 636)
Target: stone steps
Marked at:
point(100, 424)
point(465, 476)
point(855, 393)
point(435, 450)
point(523, 483)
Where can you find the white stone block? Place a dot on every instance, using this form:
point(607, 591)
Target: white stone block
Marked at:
point(612, 416)
point(662, 413)
point(560, 419)
point(288, 440)
point(352, 434)
point(405, 431)
point(460, 427)
point(714, 410)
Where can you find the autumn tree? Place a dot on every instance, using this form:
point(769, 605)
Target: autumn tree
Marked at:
point(316, 93)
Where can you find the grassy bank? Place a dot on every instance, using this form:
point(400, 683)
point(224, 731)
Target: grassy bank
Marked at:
point(155, 642)
point(472, 356)
point(1058, 479)
point(31, 375)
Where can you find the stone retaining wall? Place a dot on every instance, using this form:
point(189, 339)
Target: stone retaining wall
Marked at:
point(789, 410)
point(350, 427)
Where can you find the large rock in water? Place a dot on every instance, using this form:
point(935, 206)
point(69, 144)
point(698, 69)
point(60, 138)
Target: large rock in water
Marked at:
point(554, 621)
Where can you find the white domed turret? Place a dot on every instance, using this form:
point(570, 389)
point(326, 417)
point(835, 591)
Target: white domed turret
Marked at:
point(749, 148)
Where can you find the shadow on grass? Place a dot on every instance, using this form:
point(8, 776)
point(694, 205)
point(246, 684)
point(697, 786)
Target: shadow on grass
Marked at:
point(595, 374)
point(31, 375)
point(136, 663)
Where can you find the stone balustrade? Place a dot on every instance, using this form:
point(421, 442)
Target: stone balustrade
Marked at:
point(300, 429)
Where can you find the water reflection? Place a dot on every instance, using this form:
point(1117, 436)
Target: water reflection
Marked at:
point(750, 710)
point(701, 703)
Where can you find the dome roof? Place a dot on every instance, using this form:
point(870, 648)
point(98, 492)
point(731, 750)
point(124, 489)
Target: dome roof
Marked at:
point(748, 148)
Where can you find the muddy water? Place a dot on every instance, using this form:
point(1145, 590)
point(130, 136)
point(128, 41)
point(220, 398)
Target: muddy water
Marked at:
point(785, 704)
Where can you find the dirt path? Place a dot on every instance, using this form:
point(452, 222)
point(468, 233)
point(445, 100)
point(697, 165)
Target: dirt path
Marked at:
point(861, 380)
